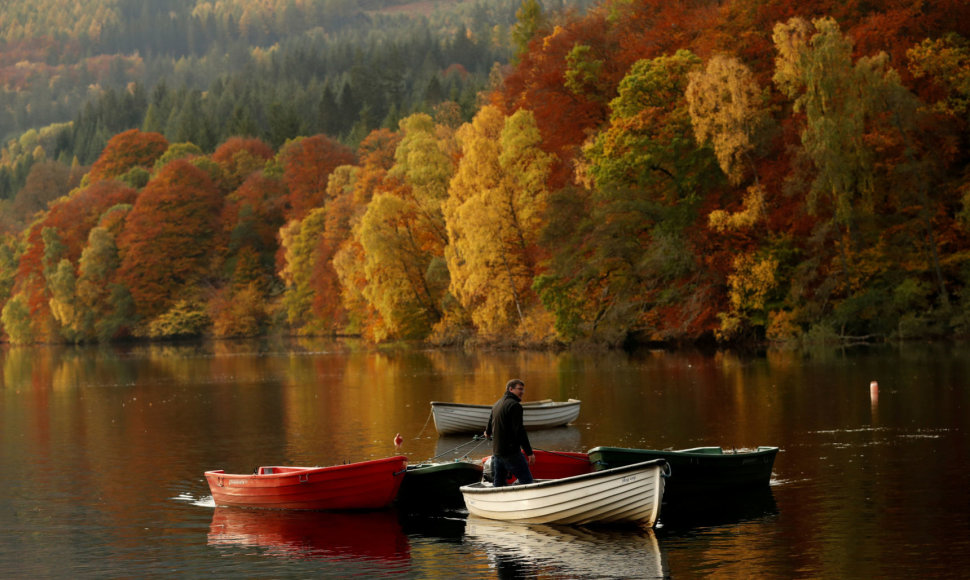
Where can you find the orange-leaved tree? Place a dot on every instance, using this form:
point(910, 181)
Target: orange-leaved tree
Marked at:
point(47, 181)
point(307, 163)
point(60, 236)
point(247, 241)
point(239, 157)
point(244, 256)
point(125, 151)
point(564, 112)
point(167, 240)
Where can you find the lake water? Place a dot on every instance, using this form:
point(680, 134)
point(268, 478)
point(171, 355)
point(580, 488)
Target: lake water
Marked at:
point(102, 452)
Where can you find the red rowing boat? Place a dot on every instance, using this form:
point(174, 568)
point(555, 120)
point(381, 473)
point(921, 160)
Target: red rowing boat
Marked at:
point(353, 486)
point(554, 465)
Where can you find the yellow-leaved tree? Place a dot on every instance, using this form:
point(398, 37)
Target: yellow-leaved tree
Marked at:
point(494, 214)
point(402, 233)
point(301, 241)
point(350, 190)
point(727, 110)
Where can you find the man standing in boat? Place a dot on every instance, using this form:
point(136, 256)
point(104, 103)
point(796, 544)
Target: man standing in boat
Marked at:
point(509, 439)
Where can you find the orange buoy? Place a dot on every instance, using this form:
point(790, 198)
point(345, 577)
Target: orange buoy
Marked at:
point(398, 440)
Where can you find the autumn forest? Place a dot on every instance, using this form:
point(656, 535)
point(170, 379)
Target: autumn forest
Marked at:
point(522, 173)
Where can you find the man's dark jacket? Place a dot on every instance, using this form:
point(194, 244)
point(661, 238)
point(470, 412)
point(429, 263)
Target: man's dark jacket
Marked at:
point(506, 428)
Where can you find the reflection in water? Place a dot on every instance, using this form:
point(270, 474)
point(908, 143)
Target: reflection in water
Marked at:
point(518, 549)
point(736, 507)
point(375, 536)
point(102, 438)
point(446, 526)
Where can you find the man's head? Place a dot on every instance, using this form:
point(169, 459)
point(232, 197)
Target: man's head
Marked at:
point(515, 386)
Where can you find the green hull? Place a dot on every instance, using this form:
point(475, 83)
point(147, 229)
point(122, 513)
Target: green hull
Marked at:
point(696, 473)
point(435, 485)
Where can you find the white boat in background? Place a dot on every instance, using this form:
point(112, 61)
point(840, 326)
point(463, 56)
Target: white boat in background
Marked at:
point(457, 446)
point(464, 418)
point(571, 551)
point(628, 494)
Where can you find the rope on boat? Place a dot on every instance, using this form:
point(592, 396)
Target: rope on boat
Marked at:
point(426, 421)
point(667, 471)
point(481, 439)
point(478, 438)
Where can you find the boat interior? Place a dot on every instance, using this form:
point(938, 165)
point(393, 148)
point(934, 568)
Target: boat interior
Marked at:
point(277, 470)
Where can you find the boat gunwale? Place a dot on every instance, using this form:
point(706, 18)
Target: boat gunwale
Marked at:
point(480, 488)
point(761, 450)
point(294, 471)
point(445, 465)
point(529, 404)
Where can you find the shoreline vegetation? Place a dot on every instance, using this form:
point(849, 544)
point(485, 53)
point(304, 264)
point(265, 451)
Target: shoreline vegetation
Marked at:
point(520, 174)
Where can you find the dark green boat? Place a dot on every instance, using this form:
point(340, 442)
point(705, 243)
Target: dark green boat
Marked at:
point(697, 472)
point(435, 485)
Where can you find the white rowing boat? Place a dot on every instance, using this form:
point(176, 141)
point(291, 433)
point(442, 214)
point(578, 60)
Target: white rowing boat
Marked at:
point(464, 418)
point(628, 494)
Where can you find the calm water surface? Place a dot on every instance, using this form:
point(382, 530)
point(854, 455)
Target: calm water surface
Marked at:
point(102, 453)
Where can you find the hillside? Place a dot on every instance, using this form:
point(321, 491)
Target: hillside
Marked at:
point(638, 172)
point(273, 70)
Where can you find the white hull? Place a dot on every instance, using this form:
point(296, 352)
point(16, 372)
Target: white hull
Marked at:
point(629, 494)
point(461, 418)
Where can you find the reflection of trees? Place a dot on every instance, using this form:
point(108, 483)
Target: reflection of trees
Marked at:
point(350, 405)
point(114, 431)
point(479, 378)
point(90, 367)
point(18, 366)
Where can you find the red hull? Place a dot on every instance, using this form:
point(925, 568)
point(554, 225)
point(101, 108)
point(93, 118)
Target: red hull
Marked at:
point(557, 464)
point(560, 464)
point(354, 486)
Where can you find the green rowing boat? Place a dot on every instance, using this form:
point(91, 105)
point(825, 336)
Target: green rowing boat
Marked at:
point(697, 472)
point(436, 485)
